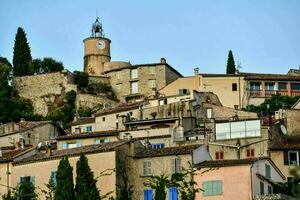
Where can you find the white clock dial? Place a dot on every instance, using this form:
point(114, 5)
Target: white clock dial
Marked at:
point(100, 44)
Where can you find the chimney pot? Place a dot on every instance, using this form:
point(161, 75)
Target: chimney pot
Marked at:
point(196, 71)
point(163, 60)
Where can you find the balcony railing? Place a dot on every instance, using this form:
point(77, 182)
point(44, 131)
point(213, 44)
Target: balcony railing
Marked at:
point(269, 93)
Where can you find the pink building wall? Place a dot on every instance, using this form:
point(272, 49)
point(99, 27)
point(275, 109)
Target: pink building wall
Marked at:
point(236, 182)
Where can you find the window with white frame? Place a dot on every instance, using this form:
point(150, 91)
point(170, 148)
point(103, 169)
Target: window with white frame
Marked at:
point(134, 73)
point(176, 165)
point(147, 170)
point(293, 157)
point(270, 86)
point(89, 129)
point(152, 83)
point(134, 87)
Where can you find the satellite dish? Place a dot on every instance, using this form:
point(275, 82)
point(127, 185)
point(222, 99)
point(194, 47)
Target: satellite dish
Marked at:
point(283, 129)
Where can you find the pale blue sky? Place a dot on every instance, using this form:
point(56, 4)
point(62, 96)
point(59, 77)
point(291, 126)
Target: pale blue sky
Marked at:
point(264, 35)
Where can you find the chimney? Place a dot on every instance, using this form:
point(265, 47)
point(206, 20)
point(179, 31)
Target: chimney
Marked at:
point(163, 60)
point(48, 150)
point(196, 71)
point(18, 145)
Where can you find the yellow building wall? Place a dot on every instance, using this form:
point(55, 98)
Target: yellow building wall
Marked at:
point(42, 171)
point(277, 158)
point(5, 180)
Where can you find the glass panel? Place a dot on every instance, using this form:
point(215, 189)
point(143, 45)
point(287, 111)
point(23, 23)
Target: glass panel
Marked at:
point(282, 86)
point(134, 87)
point(295, 86)
point(270, 86)
point(268, 171)
point(293, 158)
point(134, 73)
point(254, 86)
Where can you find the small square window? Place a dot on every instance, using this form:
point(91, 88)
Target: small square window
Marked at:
point(234, 87)
point(77, 130)
point(250, 153)
point(103, 119)
point(219, 155)
point(293, 158)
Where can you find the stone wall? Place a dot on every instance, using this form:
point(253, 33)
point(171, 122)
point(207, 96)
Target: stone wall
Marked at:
point(45, 91)
point(92, 101)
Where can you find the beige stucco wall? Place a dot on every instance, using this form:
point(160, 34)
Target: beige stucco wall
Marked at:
point(4, 179)
point(222, 87)
point(191, 83)
point(82, 127)
point(236, 182)
point(42, 170)
point(45, 91)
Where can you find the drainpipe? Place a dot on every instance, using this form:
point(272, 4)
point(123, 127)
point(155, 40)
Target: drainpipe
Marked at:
point(251, 181)
point(240, 106)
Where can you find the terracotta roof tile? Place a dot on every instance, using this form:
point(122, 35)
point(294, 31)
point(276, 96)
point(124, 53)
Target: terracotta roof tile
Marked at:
point(10, 154)
point(24, 125)
point(89, 135)
point(168, 151)
point(227, 163)
point(121, 108)
point(89, 149)
point(84, 120)
point(291, 142)
point(259, 76)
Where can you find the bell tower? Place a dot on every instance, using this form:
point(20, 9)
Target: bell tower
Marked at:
point(96, 50)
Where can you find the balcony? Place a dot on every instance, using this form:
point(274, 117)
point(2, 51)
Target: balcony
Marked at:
point(269, 93)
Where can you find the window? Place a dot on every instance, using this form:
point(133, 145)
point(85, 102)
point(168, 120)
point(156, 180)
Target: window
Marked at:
point(151, 70)
point(250, 153)
point(269, 189)
point(212, 188)
point(152, 83)
point(77, 130)
point(208, 113)
point(234, 87)
point(106, 140)
point(71, 145)
point(103, 119)
point(236, 107)
point(97, 141)
point(269, 86)
point(293, 158)
point(119, 87)
point(268, 171)
point(28, 178)
point(254, 86)
point(89, 129)
point(157, 146)
point(117, 125)
point(147, 168)
point(117, 116)
point(64, 146)
point(163, 102)
point(173, 193)
point(148, 194)
point(176, 165)
point(134, 74)
point(53, 176)
point(295, 86)
point(219, 155)
point(282, 86)
point(262, 188)
point(134, 87)
point(184, 92)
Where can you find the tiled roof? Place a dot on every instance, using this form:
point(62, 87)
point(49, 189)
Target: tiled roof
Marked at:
point(259, 76)
point(89, 149)
point(228, 163)
point(168, 151)
point(24, 125)
point(292, 142)
point(89, 135)
point(84, 120)
point(9, 155)
point(121, 108)
point(151, 121)
point(152, 137)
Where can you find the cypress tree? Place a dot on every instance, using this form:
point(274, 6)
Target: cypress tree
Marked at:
point(26, 190)
point(64, 179)
point(85, 182)
point(230, 64)
point(22, 55)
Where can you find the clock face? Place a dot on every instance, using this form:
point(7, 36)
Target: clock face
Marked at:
point(100, 44)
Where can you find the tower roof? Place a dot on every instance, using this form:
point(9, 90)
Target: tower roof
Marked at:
point(97, 29)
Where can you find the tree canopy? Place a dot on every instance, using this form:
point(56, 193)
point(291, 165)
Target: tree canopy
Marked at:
point(22, 54)
point(230, 69)
point(45, 65)
point(64, 179)
point(85, 182)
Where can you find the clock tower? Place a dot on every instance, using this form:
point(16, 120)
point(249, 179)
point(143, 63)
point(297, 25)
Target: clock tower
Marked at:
point(96, 51)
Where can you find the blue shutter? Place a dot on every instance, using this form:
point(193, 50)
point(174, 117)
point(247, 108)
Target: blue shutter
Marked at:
point(53, 177)
point(173, 193)
point(32, 179)
point(64, 145)
point(148, 194)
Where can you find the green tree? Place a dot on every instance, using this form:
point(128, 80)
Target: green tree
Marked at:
point(45, 65)
point(86, 188)
point(64, 179)
point(230, 69)
point(22, 55)
point(292, 186)
point(81, 78)
point(26, 190)
point(5, 77)
point(50, 192)
point(9, 196)
point(85, 111)
point(159, 184)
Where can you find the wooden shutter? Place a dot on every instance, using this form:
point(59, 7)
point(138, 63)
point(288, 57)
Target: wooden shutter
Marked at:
point(285, 158)
point(221, 155)
point(217, 155)
point(149, 170)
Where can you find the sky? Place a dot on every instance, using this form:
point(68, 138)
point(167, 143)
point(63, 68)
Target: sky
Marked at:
point(264, 35)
